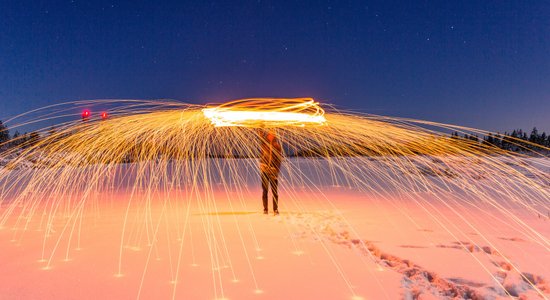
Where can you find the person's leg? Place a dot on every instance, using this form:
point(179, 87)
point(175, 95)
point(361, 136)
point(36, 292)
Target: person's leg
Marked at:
point(265, 187)
point(274, 189)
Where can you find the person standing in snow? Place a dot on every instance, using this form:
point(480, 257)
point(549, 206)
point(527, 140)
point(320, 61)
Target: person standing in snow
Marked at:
point(270, 165)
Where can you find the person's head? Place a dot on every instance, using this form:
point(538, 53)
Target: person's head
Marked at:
point(262, 131)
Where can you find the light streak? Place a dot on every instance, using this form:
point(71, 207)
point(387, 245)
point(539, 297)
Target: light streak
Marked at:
point(165, 149)
point(267, 112)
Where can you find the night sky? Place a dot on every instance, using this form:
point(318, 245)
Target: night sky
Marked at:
point(483, 64)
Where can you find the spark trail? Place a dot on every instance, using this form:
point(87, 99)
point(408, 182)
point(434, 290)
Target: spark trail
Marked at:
point(163, 148)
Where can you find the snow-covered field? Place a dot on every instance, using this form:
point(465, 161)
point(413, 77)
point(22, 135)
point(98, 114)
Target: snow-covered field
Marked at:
point(329, 242)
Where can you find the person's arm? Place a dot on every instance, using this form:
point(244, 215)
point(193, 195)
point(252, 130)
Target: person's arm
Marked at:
point(277, 153)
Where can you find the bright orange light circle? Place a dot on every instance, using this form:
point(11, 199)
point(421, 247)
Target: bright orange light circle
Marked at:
point(258, 112)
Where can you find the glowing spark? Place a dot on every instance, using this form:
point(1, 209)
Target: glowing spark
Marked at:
point(162, 148)
point(267, 112)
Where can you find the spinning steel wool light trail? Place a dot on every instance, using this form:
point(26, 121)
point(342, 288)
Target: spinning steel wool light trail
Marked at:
point(159, 147)
point(267, 112)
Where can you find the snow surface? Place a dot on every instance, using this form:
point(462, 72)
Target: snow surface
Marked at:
point(329, 242)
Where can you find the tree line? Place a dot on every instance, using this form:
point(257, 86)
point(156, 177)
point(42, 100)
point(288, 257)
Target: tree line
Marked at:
point(517, 141)
point(17, 139)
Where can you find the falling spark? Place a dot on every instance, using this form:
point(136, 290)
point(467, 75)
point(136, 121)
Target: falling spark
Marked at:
point(164, 148)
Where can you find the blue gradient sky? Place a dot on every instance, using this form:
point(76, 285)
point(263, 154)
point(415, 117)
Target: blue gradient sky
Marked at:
point(483, 64)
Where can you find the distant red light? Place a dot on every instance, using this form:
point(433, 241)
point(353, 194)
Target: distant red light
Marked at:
point(86, 114)
point(104, 115)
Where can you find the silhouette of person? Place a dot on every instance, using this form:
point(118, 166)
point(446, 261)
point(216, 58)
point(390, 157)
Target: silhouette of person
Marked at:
point(270, 165)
